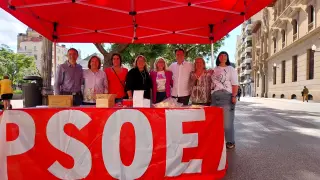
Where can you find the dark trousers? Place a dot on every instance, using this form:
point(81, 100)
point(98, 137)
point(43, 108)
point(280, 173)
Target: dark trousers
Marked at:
point(87, 103)
point(184, 99)
point(77, 98)
point(161, 96)
point(202, 104)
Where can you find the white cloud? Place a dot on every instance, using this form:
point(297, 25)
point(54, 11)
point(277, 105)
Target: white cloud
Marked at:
point(10, 27)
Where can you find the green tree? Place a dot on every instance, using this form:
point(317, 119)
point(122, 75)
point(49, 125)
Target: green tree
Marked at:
point(16, 66)
point(152, 51)
point(194, 50)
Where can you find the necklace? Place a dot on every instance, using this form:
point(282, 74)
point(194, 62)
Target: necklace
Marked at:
point(144, 76)
point(198, 75)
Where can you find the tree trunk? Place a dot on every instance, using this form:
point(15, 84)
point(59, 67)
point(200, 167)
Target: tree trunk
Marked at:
point(107, 55)
point(46, 70)
point(107, 60)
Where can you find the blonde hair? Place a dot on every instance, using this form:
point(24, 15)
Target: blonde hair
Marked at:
point(156, 63)
point(203, 61)
point(136, 61)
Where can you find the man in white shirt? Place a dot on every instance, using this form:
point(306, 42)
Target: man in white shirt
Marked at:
point(181, 75)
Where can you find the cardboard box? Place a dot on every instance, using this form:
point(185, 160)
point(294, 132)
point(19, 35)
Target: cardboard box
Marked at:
point(105, 100)
point(102, 96)
point(60, 100)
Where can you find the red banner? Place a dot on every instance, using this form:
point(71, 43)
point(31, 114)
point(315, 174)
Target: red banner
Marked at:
point(93, 143)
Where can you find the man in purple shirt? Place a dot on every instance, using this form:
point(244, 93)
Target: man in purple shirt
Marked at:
point(69, 78)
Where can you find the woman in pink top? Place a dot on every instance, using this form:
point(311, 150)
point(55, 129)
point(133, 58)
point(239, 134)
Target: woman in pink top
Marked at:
point(161, 81)
point(95, 81)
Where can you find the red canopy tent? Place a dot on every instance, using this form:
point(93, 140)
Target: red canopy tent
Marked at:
point(137, 21)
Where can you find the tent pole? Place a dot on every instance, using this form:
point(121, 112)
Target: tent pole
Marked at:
point(212, 55)
point(54, 60)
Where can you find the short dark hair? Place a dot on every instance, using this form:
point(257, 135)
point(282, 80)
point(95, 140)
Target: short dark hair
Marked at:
point(116, 54)
point(5, 77)
point(73, 49)
point(218, 61)
point(179, 49)
point(89, 63)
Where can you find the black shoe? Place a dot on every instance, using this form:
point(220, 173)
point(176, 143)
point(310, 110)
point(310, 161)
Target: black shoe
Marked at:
point(230, 145)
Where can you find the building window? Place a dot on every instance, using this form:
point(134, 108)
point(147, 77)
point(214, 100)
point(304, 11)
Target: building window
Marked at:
point(25, 47)
point(283, 72)
point(274, 45)
point(294, 68)
point(311, 17)
point(258, 79)
point(295, 29)
point(35, 57)
point(275, 14)
point(310, 64)
point(274, 75)
point(283, 37)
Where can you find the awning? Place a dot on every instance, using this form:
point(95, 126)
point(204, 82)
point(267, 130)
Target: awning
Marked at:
point(133, 21)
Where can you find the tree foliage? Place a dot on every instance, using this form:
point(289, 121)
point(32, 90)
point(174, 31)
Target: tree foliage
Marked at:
point(151, 51)
point(193, 51)
point(16, 66)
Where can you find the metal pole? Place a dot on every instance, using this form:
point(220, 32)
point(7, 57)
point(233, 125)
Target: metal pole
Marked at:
point(212, 55)
point(54, 60)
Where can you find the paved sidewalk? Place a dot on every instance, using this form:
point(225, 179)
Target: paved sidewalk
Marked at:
point(275, 140)
point(283, 104)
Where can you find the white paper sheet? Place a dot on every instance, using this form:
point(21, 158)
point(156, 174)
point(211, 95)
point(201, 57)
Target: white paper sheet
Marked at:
point(138, 98)
point(146, 103)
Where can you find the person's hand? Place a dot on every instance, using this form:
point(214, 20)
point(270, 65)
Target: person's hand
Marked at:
point(234, 100)
point(210, 71)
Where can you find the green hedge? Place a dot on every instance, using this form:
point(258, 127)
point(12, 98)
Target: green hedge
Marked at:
point(17, 92)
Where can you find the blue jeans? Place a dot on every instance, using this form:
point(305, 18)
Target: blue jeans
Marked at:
point(223, 99)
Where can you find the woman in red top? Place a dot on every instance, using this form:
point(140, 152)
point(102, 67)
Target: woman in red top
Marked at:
point(116, 76)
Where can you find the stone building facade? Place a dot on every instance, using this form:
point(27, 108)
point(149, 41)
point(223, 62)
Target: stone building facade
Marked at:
point(283, 61)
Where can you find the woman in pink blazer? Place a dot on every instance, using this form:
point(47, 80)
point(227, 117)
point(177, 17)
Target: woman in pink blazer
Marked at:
point(161, 81)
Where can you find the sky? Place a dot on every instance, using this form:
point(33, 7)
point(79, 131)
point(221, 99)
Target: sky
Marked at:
point(11, 27)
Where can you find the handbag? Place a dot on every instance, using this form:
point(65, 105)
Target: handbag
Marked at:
point(126, 94)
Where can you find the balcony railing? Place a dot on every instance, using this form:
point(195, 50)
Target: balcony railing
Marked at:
point(295, 36)
point(310, 26)
point(24, 50)
point(248, 38)
point(247, 71)
point(248, 49)
point(249, 27)
point(243, 55)
point(248, 60)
